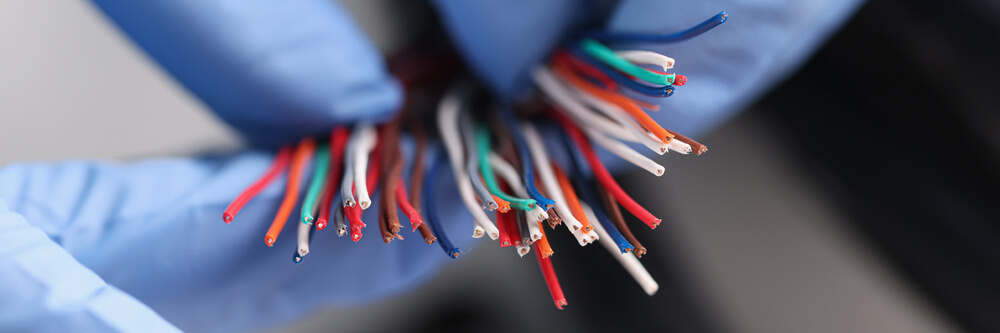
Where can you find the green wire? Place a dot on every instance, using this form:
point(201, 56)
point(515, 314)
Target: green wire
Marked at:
point(483, 145)
point(606, 55)
point(316, 184)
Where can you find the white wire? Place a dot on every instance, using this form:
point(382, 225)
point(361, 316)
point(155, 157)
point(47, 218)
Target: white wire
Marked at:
point(562, 96)
point(510, 175)
point(366, 142)
point(679, 146)
point(347, 182)
point(304, 238)
point(547, 175)
point(627, 260)
point(639, 134)
point(522, 249)
point(448, 125)
point(625, 152)
point(647, 57)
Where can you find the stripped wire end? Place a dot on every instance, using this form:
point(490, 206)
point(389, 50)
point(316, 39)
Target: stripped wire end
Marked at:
point(639, 252)
point(478, 232)
point(227, 217)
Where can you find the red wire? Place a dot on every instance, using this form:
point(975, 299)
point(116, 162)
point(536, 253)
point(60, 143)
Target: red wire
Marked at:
point(602, 173)
point(277, 167)
point(374, 170)
point(338, 141)
point(567, 59)
point(550, 278)
point(502, 226)
point(403, 201)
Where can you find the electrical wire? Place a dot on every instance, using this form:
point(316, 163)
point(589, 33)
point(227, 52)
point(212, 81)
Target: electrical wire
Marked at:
point(472, 162)
point(417, 176)
point(551, 280)
point(615, 215)
point(542, 243)
point(278, 166)
point(582, 59)
point(510, 176)
point(504, 238)
point(588, 189)
point(304, 240)
point(339, 221)
point(661, 38)
point(563, 56)
point(548, 178)
point(430, 210)
point(366, 143)
point(624, 103)
point(604, 54)
point(338, 141)
point(524, 230)
point(586, 234)
point(694, 145)
point(528, 172)
point(404, 204)
point(567, 102)
point(625, 152)
point(629, 262)
point(644, 57)
point(618, 115)
point(304, 235)
point(482, 137)
point(347, 182)
point(602, 174)
point(448, 110)
point(300, 160)
point(310, 202)
point(391, 175)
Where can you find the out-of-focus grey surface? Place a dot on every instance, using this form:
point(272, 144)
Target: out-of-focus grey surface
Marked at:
point(765, 251)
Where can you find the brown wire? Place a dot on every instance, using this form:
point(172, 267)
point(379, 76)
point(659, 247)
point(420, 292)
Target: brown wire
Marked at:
point(615, 215)
point(695, 146)
point(554, 218)
point(394, 167)
point(417, 175)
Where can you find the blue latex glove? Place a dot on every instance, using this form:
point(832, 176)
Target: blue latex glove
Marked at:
point(728, 67)
point(154, 230)
point(92, 246)
point(90, 240)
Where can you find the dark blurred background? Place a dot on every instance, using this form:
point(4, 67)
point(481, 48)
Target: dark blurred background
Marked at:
point(858, 196)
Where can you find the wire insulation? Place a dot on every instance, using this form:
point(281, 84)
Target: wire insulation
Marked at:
point(278, 166)
point(300, 160)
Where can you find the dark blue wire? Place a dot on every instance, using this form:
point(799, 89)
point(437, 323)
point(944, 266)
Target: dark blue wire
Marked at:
point(660, 38)
point(528, 168)
point(584, 180)
point(430, 209)
point(657, 91)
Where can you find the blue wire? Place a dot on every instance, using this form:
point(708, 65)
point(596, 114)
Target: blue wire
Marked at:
point(584, 180)
point(528, 168)
point(658, 91)
point(660, 38)
point(430, 209)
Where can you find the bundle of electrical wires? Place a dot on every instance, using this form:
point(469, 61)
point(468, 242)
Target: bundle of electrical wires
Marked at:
point(517, 169)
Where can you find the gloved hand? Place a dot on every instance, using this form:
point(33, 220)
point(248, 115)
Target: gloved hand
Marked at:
point(153, 231)
point(92, 246)
point(87, 241)
point(728, 67)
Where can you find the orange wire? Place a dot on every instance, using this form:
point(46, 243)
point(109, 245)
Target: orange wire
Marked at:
point(543, 243)
point(571, 199)
point(621, 101)
point(303, 154)
point(503, 205)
